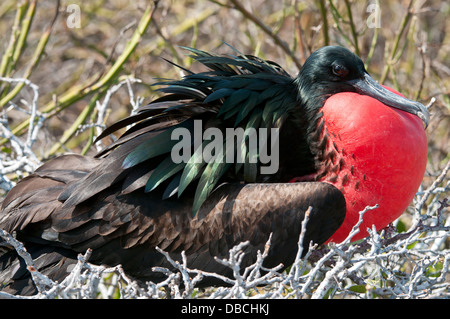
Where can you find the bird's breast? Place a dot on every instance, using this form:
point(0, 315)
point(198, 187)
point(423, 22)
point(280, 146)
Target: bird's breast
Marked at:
point(377, 155)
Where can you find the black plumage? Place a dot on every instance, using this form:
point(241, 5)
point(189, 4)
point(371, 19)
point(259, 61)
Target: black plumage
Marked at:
point(132, 197)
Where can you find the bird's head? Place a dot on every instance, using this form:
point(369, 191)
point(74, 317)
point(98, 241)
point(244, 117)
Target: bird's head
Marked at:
point(334, 69)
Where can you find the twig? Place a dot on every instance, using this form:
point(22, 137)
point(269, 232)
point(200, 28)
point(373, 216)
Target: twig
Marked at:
point(402, 30)
point(40, 280)
point(278, 41)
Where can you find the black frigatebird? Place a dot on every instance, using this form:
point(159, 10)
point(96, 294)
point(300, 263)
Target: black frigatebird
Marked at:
point(343, 142)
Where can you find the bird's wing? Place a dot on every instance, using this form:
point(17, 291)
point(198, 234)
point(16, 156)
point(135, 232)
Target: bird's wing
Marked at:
point(41, 189)
point(120, 229)
point(236, 92)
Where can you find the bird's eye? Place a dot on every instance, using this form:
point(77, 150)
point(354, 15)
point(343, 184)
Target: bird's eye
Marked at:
point(339, 70)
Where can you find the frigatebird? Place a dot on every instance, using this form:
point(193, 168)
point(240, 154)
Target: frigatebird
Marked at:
point(342, 142)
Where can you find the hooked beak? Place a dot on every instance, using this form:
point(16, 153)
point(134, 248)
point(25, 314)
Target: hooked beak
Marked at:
point(368, 86)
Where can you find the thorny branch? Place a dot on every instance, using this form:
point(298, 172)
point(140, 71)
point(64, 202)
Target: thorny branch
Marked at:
point(25, 159)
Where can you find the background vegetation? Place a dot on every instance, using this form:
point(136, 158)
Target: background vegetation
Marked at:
point(74, 60)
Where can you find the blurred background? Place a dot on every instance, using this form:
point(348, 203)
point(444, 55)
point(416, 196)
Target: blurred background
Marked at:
point(75, 51)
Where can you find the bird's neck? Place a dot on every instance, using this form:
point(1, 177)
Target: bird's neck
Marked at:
point(333, 164)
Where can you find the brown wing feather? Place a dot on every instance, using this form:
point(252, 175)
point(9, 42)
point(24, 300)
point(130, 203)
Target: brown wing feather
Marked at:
point(125, 228)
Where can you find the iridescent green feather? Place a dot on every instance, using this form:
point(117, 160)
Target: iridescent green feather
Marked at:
point(242, 91)
point(208, 180)
point(193, 168)
point(166, 169)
